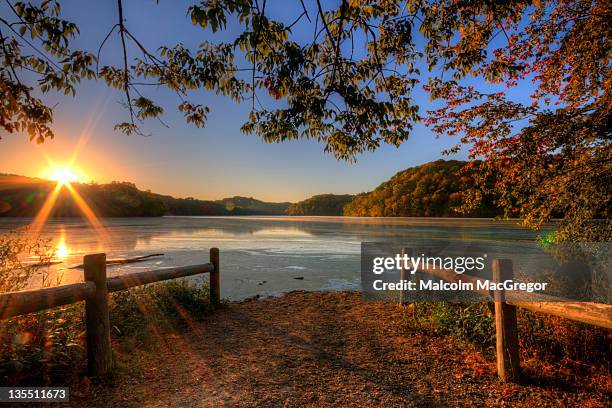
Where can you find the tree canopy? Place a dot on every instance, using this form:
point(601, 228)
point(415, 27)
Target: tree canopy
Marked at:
point(321, 204)
point(350, 84)
point(25, 196)
point(433, 189)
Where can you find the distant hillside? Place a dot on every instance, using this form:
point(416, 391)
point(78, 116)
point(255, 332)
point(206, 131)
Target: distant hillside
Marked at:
point(430, 190)
point(322, 204)
point(192, 206)
point(254, 205)
point(24, 196)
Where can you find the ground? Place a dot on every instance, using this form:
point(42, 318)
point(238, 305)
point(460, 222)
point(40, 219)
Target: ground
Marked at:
point(316, 349)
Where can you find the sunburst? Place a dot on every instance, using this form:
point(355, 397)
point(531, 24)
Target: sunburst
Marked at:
point(64, 176)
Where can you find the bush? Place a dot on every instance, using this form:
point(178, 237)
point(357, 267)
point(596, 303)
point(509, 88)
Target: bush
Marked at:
point(38, 347)
point(541, 336)
point(165, 305)
point(15, 274)
point(49, 347)
point(471, 322)
point(557, 339)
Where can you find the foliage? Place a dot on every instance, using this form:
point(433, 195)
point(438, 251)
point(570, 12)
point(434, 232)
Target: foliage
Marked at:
point(23, 263)
point(58, 68)
point(118, 200)
point(49, 347)
point(433, 189)
point(351, 84)
point(115, 199)
point(23, 196)
point(547, 157)
point(192, 206)
point(470, 322)
point(253, 205)
point(38, 348)
point(545, 337)
point(140, 311)
point(15, 273)
point(322, 204)
point(556, 338)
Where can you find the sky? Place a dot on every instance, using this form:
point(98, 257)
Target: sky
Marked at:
point(208, 163)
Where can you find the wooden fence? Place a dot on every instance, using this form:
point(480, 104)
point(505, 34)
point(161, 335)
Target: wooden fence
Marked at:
point(94, 291)
point(507, 345)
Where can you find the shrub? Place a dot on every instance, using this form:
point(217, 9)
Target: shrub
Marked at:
point(165, 305)
point(38, 347)
point(49, 347)
point(541, 336)
point(15, 274)
point(471, 322)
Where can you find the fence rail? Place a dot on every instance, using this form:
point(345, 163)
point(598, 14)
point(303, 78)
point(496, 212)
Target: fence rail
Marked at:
point(123, 282)
point(30, 301)
point(94, 291)
point(508, 364)
point(595, 314)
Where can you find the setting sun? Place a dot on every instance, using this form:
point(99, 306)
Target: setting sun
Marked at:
point(63, 175)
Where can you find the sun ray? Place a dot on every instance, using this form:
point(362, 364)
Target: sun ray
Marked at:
point(94, 118)
point(64, 176)
point(88, 213)
point(45, 211)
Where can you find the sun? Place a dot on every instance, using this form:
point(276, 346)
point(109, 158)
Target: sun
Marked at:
point(63, 175)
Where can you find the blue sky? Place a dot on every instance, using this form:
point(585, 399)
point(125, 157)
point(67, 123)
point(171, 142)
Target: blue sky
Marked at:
point(210, 163)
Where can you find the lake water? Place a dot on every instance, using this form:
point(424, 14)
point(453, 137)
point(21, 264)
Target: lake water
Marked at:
point(264, 255)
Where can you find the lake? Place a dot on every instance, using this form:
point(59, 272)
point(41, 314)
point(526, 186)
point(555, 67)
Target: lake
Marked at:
point(265, 256)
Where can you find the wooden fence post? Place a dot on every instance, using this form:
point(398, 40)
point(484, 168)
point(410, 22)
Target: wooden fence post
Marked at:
point(99, 351)
point(508, 366)
point(215, 284)
point(402, 300)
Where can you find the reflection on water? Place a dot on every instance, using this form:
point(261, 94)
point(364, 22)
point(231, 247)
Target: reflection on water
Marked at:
point(61, 251)
point(263, 255)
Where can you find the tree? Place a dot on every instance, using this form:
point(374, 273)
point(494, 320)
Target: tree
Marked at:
point(321, 204)
point(433, 189)
point(548, 158)
point(350, 85)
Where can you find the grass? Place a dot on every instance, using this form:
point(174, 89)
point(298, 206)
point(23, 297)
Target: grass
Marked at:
point(49, 347)
point(544, 340)
point(471, 322)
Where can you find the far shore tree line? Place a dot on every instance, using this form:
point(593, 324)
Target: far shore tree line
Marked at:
point(24, 196)
point(433, 189)
point(350, 83)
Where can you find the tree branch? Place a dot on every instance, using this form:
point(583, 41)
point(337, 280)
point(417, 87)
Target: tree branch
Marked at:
point(126, 72)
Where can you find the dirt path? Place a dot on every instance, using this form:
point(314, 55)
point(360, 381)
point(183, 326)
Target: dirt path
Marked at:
point(316, 349)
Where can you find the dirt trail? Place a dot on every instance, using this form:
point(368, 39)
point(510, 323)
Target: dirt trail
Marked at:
point(316, 349)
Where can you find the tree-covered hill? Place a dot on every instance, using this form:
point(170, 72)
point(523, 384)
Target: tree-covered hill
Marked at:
point(24, 196)
point(253, 205)
point(322, 204)
point(430, 190)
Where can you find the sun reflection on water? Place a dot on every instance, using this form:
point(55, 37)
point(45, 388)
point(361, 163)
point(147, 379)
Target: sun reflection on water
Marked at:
point(62, 251)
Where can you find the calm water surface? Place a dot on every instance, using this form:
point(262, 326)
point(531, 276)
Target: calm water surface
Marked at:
point(264, 255)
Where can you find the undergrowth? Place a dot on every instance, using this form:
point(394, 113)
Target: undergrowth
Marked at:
point(49, 347)
point(547, 339)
